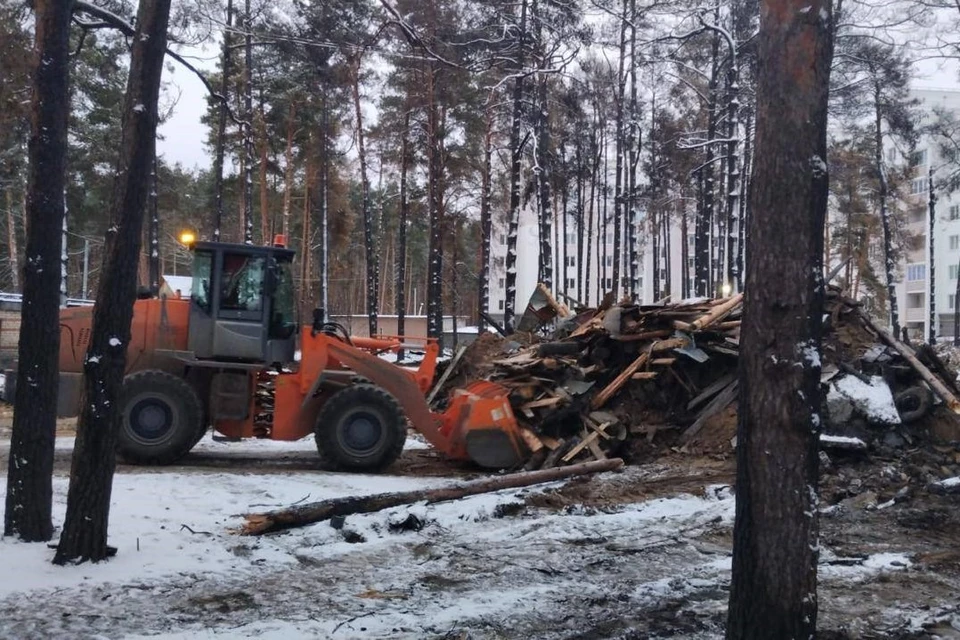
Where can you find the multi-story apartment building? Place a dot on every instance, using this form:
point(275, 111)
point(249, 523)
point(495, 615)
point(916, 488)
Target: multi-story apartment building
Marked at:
point(913, 289)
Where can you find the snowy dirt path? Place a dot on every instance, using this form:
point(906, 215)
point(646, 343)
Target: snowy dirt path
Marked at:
point(643, 553)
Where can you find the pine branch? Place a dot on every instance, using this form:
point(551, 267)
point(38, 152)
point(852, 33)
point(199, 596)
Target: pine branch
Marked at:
point(108, 18)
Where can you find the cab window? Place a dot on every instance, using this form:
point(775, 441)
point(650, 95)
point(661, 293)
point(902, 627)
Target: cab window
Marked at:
point(242, 283)
point(200, 290)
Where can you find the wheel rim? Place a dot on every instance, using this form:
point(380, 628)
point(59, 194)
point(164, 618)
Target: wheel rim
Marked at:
point(150, 419)
point(360, 432)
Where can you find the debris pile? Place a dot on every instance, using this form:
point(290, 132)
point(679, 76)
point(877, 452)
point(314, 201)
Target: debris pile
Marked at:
point(631, 379)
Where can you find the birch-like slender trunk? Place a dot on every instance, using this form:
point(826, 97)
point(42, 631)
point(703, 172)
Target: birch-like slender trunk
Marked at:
point(513, 219)
point(248, 126)
point(288, 169)
point(218, 153)
point(369, 239)
point(889, 262)
point(486, 217)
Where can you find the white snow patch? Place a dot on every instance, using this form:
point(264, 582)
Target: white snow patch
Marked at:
point(874, 400)
point(828, 439)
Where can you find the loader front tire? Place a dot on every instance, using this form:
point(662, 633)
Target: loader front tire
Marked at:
point(160, 418)
point(360, 428)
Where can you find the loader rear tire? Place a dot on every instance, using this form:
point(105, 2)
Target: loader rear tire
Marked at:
point(360, 428)
point(160, 418)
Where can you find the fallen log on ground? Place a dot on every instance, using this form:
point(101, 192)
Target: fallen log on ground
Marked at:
point(304, 514)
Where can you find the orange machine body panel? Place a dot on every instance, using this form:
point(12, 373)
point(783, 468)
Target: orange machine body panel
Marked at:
point(158, 323)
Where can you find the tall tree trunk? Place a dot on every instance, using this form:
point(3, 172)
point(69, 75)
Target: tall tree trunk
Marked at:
point(401, 268)
point(12, 251)
point(324, 206)
point(744, 200)
point(889, 261)
point(305, 234)
point(436, 213)
point(513, 220)
point(265, 222)
point(932, 215)
point(369, 240)
point(288, 169)
point(619, 145)
point(591, 240)
point(704, 228)
point(248, 125)
point(84, 535)
point(774, 581)
point(544, 176)
point(153, 236)
point(486, 216)
point(30, 467)
point(580, 212)
point(733, 166)
point(221, 125)
point(633, 146)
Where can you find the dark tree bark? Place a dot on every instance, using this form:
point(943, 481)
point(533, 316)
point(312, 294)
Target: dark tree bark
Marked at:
point(84, 535)
point(619, 146)
point(369, 233)
point(30, 468)
point(543, 171)
point(513, 221)
point(486, 217)
point(703, 259)
point(247, 126)
point(153, 237)
point(221, 126)
point(435, 190)
point(401, 269)
point(633, 146)
point(773, 592)
point(932, 214)
point(889, 261)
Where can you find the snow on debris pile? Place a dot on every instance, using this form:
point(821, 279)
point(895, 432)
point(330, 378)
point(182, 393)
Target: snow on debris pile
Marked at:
point(874, 400)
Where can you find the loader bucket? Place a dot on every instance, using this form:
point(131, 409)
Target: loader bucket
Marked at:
point(490, 431)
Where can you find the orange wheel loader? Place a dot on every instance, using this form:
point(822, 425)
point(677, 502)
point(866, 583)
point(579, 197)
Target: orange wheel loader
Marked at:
point(224, 357)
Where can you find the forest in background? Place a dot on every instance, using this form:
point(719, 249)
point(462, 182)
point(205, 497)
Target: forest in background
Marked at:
point(403, 137)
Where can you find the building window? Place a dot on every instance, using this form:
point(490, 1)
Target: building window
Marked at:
point(919, 158)
point(918, 185)
point(571, 261)
point(571, 238)
point(501, 239)
point(891, 154)
point(608, 261)
point(953, 272)
point(499, 261)
point(501, 283)
point(952, 301)
point(954, 243)
point(500, 305)
point(955, 212)
point(916, 272)
point(570, 283)
point(608, 283)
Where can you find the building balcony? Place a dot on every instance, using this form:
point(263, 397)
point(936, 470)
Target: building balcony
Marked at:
point(915, 315)
point(915, 286)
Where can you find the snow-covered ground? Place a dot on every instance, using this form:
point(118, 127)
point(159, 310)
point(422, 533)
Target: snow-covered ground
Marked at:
point(493, 565)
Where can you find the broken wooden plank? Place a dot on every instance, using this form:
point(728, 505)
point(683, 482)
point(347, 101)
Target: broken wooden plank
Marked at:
point(446, 374)
point(711, 390)
point(611, 389)
point(304, 514)
point(645, 375)
point(715, 315)
point(542, 402)
point(718, 404)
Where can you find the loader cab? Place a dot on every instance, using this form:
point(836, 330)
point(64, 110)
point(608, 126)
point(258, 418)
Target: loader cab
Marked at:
point(242, 303)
